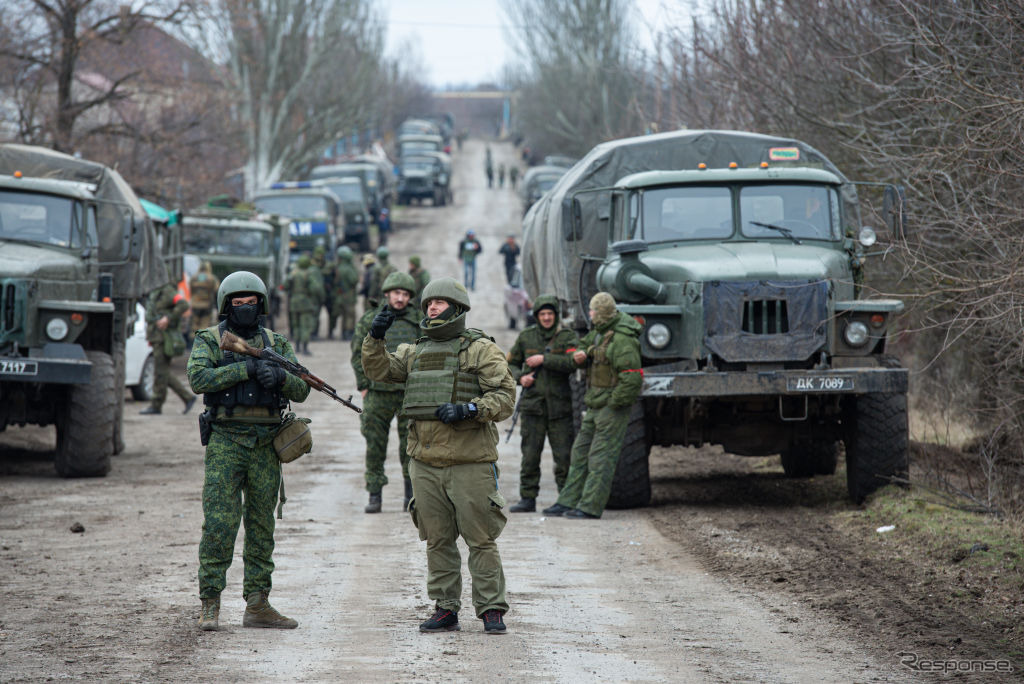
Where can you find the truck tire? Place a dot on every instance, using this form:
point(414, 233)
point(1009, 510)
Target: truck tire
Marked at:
point(877, 442)
point(85, 423)
point(119, 373)
point(811, 458)
point(631, 486)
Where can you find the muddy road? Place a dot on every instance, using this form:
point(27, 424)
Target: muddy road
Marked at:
point(644, 595)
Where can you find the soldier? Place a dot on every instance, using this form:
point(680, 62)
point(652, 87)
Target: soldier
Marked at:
point(164, 311)
point(541, 361)
point(501, 175)
point(513, 175)
point(510, 252)
point(457, 386)
point(364, 282)
point(319, 260)
point(346, 280)
point(244, 399)
point(611, 354)
point(382, 401)
point(203, 286)
point(378, 274)
point(489, 168)
point(305, 288)
point(420, 276)
point(384, 225)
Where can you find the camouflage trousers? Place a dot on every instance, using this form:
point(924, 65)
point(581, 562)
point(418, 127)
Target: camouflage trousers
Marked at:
point(241, 484)
point(375, 424)
point(460, 500)
point(595, 453)
point(164, 378)
point(533, 431)
point(345, 310)
point(301, 324)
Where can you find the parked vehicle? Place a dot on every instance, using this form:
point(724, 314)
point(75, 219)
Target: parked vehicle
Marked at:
point(414, 144)
point(314, 215)
point(423, 176)
point(536, 181)
point(375, 177)
point(349, 191)
point(139, 367)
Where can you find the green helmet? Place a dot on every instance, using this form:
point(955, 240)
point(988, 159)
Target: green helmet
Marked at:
point(399, 281)
point(448, 289)
point(382, 252)
point(344, 252)
point(241, 282)
point(304, 261)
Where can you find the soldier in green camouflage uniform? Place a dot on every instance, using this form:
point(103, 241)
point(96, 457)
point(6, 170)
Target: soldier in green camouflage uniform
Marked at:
point(420, 276)
point(382, 401)
point(203, 288)
point(305, 288)
point(457, 386)
point(164, 311)
point(346, 282)
point(319, 259)
point(541, 361)
point(611, 354)
point(378, 273)
point(244, 398)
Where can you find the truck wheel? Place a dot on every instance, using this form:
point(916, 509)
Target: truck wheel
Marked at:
point(811, 458)
point(877, 443)
point(579, 390)
point(442, 198)
point(631, 486)
point(144, 390)
point(85, 423)
point(119, 373)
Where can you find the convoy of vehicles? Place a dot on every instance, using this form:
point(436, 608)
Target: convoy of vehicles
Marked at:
point(313, 215)
point(375, 177)
point(536, 181)
point(741, 255)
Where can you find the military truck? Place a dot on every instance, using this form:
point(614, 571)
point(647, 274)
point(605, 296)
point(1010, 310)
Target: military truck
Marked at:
point(76, 252)
point(354, 207)
point(414, 144)
point(378, 186)
point(536, 181)
point(423, 176)
point(314, 215)
point(741, 255)
point(237, 241)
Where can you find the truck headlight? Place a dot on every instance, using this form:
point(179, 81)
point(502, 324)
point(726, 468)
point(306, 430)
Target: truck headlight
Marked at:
point(856, 334)
point(658, 335)
point(867, 236)
point(57, 329)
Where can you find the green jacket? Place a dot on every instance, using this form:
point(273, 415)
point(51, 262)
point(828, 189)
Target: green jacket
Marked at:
point(305, 289)
point(161, 303)
point(346, 280)
point(205, 376)
point(617, 343)
point(473, 440)
point(405, 330)
point(550, 393)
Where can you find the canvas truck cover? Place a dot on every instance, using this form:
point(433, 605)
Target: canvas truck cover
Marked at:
point(132, 278)
point(553, 266)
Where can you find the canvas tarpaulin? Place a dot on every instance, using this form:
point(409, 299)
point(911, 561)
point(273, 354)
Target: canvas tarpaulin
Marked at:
point(551, 265)
point(116, 201)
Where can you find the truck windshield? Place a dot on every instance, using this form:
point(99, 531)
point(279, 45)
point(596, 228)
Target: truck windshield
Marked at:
point(46, 219)
point(346, 192)
point(422, 165)
point(695, 212)
point(804, 211)
point(293, 206)
point(409, 147)
point(204, 239)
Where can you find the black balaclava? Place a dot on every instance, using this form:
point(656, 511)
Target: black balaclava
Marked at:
point(245, 319)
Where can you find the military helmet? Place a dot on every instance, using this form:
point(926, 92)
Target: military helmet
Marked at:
point(448, 289)
point(241, 282)
point(399, 281)
point(344, 252)
point(382, 252)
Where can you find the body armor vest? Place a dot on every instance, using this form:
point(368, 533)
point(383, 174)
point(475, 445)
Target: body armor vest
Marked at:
point(601, 373)
point(435, 377)
point(247, 401)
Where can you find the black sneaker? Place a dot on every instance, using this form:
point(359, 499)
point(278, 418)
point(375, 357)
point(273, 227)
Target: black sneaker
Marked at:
point(524, 506)
point(557, 509)
point(444, 621)
point(492, 622)
point(577, 513)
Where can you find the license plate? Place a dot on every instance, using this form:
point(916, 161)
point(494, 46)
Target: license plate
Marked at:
point(820, 383)
point(18, 368)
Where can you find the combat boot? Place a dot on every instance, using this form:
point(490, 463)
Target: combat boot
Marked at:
point(150, 411)
point(209, 614)
point(525, 505)
point(373, 506)
point(259, 613)
point(408, 494)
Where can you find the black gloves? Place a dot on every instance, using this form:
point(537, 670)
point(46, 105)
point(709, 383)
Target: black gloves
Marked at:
point(270, 375)
point(381, 322)
point(452, 413)
point(252, 365)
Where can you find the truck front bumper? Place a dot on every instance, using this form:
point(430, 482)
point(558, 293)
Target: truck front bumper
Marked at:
point(781, 382)
point(61, 364)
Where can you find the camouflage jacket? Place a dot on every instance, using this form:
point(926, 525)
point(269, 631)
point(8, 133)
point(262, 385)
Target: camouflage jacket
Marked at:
point(615, 344)
point(346, 280)
point(305, 289)
point(550, 394)
point(161, 303)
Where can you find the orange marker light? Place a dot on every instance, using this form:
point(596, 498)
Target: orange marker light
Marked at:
point(17, 174)
point(764, 165)
point(702, 166)
point(877, 320)
point(640, 319)
point(77, 318)
point(733, 165)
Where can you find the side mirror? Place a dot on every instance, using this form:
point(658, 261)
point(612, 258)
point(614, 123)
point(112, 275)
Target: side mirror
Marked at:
point(894, 210)
point(574, 229)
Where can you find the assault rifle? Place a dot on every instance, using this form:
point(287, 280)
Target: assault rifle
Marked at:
point(515, 413)
point(231, 342)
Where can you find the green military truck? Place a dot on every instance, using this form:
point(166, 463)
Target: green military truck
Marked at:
point(76, 252)
point(741, 256)
point(236, 241)
point(314, 215)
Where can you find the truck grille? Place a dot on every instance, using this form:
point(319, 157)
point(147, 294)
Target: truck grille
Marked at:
point(8, 319)
point(765, 317)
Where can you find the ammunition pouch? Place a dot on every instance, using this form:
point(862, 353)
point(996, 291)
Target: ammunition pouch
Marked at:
point(293, 438)
point(205, 427)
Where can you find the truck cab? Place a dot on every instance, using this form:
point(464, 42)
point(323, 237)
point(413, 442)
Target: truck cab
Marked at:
point(314, 215)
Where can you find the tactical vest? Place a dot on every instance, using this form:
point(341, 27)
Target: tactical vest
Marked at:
point(435, 377)
point(300, 283)
point(403, 331)
point(247, 401)
point(601, 373)
point(203, 291)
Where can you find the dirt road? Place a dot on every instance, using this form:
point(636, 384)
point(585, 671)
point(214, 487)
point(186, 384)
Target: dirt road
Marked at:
point(608, 600)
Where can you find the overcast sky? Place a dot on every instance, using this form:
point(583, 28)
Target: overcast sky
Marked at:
point(462, 41)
